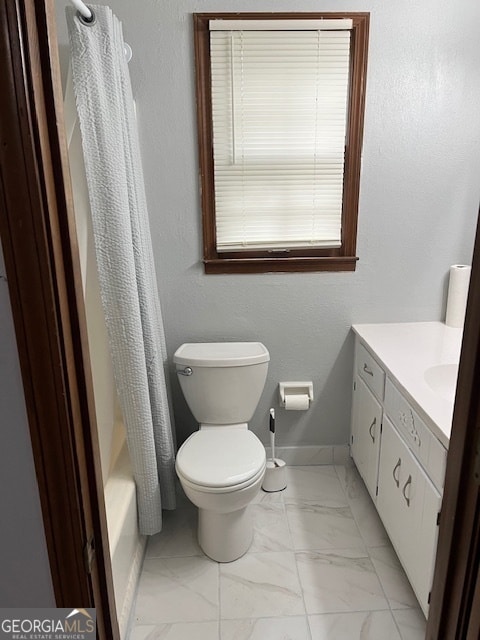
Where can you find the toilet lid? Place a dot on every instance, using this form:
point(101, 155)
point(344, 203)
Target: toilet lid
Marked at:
point(220, 457)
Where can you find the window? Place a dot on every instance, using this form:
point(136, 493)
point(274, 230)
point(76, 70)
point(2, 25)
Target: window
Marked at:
point(280, 100)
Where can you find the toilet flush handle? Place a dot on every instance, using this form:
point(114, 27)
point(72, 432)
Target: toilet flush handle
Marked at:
point(185, 372)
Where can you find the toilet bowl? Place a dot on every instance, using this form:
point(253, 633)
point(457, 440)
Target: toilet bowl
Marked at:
point(221, 466)
point(221, 472)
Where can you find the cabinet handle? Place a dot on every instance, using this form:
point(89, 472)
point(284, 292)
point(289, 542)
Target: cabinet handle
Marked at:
point(409, 481)
point(397, 466)
point(370, 430)
point(367, 370)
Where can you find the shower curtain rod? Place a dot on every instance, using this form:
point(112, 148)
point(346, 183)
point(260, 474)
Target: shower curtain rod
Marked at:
point(82, 9)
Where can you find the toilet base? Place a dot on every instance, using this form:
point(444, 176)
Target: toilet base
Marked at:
point(224, 537)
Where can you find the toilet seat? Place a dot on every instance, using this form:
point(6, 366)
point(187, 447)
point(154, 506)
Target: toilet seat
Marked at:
point(221, 460)
point(221, 490)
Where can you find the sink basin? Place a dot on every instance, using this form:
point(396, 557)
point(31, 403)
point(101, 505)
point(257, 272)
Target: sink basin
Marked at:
point(442, 379)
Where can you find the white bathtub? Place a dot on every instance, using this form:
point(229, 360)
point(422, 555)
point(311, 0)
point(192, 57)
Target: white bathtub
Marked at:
point(127, 546)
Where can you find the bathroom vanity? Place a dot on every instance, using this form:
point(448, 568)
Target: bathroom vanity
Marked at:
point(404, 388)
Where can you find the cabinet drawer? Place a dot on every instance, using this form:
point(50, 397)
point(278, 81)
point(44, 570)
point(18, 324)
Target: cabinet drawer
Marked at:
point(370, 370)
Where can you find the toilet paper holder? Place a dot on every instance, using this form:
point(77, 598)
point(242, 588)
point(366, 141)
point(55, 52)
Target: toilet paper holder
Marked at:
point(295, 389)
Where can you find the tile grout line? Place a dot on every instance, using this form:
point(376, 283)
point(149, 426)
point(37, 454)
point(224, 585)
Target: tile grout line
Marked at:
point(296, 567)
point(349, 506)
point(357, 523)
point(219, 620)
point(367, 548)
point(395, 623)
point(381, 583)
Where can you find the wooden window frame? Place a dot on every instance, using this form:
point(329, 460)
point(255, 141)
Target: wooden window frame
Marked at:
point(342, 258)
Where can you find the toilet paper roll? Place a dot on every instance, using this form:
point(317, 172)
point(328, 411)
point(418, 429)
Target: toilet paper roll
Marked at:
point(297, 402)
point(457, 295)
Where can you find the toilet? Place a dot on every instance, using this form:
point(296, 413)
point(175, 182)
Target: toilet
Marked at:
point(221, 466)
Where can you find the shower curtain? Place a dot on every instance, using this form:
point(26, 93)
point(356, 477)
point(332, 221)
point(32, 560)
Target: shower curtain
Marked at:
point(124, 256)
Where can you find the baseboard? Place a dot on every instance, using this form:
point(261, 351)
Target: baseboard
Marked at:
point(131, 590)
point(304, 455)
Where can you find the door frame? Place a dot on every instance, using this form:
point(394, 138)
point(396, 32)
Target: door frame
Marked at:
point(41, 258)
point(455, 598)
point(37, 230)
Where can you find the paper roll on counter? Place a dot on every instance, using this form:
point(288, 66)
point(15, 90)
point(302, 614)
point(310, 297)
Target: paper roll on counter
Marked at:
point(458, 284)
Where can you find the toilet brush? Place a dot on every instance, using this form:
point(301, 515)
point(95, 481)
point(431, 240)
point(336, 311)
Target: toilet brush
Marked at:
point(275, 473)
point(272, 435)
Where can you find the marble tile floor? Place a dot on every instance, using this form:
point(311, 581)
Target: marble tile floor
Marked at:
point(320, 567)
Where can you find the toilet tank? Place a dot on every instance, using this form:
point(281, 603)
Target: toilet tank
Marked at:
point(226, 379)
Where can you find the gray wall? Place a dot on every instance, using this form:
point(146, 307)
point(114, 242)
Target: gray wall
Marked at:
point(419, 197)
point(25, 579)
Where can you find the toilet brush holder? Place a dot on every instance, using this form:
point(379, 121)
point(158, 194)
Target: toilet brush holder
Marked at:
point(276, 470)
point(275, 476)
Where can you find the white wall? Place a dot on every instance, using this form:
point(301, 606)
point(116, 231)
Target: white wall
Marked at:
point(25, 579)
point(419, 197)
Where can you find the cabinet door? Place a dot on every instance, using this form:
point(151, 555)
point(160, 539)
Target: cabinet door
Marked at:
point(366, 426)
point(408, 504)
point(427, 542)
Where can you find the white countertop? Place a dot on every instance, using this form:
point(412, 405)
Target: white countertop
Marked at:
point(407, 351)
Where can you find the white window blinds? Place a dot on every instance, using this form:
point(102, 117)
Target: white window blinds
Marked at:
point(279, 101)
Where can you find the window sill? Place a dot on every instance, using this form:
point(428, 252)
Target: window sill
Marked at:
point(280, 265)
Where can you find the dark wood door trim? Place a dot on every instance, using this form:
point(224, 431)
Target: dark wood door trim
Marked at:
point(455, 600)
point(41, 259)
